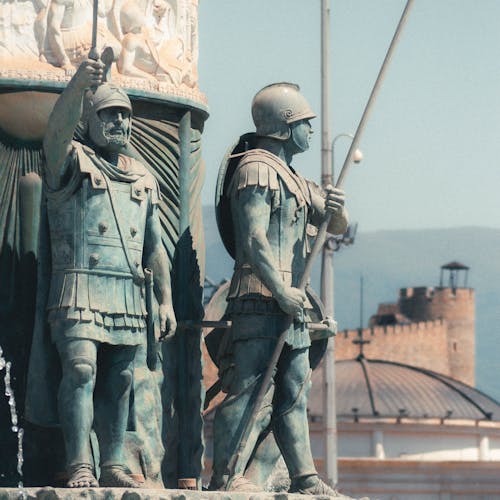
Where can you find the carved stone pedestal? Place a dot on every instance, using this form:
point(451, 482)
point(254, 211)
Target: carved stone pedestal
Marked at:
point(142, 494)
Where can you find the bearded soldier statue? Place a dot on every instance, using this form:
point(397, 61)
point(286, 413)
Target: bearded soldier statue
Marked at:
point(102, 208)
point(272, 210)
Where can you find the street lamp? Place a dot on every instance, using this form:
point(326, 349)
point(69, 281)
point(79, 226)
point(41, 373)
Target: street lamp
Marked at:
point(357, 156)
point(332, 244)
point(346, 239)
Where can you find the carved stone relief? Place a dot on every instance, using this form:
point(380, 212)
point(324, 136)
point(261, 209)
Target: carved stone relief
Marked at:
point(155, 42)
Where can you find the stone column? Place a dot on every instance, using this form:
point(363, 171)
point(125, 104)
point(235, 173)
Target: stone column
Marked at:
point(378, 444)
point(484, 448)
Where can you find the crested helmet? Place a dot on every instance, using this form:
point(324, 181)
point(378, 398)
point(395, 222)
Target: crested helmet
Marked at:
point(276, 107)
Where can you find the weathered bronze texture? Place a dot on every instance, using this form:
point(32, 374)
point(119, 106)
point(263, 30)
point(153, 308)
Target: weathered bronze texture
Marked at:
point(264, 211)
point(151, 443)
point(95, 307)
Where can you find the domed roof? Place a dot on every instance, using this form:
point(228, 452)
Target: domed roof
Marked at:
point(383, 389)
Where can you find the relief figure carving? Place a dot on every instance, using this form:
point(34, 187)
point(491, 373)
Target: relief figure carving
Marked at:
point(156, 40)
point(69, 32)
point(150, 48)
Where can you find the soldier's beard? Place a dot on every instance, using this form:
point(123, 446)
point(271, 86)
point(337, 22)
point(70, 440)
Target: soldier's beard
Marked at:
point(108, 135)
point(116, 136)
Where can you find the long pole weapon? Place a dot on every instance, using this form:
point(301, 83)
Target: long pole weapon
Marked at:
point(93, 54)
point(234, 462)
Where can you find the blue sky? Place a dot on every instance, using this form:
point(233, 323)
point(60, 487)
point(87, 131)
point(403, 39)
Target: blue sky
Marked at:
point(432, 141)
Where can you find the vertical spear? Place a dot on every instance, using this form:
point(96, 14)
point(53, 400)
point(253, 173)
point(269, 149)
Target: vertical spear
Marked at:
point(93, 54)
point(235, 461)
point(329, 409)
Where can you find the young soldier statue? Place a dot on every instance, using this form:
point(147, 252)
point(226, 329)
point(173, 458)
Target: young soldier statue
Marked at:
point(272, 209)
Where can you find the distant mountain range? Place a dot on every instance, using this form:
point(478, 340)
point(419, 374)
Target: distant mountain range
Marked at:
point(390, 260)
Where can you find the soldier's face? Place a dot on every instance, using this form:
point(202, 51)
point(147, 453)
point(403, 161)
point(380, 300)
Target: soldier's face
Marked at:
point(112, 130)
point(116, 123)
point(301, 133)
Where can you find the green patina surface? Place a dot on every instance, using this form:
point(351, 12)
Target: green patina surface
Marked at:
point(265, 212)
point(153, 436)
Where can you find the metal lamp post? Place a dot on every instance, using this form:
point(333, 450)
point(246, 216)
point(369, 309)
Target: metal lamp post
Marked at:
point(328, 248)
point(357, 157)
point(327, 296)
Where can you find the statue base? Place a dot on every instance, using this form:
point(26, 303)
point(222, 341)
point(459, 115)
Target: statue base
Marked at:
point(142, 494)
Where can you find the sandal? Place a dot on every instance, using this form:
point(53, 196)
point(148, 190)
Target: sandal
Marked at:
point(81, 476)
point(115, 476)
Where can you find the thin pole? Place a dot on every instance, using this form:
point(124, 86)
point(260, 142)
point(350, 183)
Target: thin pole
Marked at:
point(361, 319)
point(93, 54)
point(327, 274)
point(374, 93)
point(318, 244)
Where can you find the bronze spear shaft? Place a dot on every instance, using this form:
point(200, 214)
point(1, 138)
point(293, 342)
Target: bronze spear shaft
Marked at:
point(93, 54)
point(318, 244)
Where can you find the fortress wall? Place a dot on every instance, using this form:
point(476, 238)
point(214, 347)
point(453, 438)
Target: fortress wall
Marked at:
point(422, 344)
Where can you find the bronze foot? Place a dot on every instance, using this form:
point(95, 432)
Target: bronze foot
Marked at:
point(114, 476)
point(82, 476)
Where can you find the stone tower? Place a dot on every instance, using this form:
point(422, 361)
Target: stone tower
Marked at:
point(456, 306)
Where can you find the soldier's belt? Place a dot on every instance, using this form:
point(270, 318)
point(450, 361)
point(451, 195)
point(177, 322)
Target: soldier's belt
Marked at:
point(98, 272)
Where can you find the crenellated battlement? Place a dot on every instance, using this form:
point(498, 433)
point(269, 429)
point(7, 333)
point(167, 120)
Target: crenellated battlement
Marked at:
point(422, 343)
point(436, 293)
point(391, 329)
point(429, 327)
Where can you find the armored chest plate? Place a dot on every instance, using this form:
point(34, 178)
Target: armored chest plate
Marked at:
point(84, 228)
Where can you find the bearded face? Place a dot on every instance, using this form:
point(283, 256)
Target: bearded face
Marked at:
point(110, 129)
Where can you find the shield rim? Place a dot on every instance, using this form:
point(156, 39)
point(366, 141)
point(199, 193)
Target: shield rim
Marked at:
point(228, 165)
point(317, 348)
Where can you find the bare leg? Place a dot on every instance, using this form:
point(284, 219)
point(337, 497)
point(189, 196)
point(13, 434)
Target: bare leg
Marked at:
point(76, 407)
point(290, 425)
point(113, 390)
point(250, 360)
point(291, 428)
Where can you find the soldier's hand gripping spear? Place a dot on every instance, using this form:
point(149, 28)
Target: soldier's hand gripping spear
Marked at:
point(234, 462)
point(91, 72)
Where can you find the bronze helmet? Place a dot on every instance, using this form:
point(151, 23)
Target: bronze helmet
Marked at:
point(276, 106)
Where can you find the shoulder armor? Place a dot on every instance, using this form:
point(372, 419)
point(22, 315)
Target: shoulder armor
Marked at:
point(227, 169)
point(86, 165)
point(146, 183)
point(261, 168)
point(137, 174)
point(253, 172)
point(245, 165)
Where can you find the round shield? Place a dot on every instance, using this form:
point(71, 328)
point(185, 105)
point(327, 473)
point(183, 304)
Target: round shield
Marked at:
point(215, 310)
point(222, 200)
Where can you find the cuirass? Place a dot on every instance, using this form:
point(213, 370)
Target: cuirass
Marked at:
point(84, 231)
point(287, 233)
point(287, 237)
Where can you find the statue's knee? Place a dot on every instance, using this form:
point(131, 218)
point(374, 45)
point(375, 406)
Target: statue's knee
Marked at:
point(123, 380)
point(294, 396)
point(126, 377)
point(82, 372)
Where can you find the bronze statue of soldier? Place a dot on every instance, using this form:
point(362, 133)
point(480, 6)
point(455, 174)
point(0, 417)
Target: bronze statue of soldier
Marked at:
point(104, 228)
point(272, 209)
